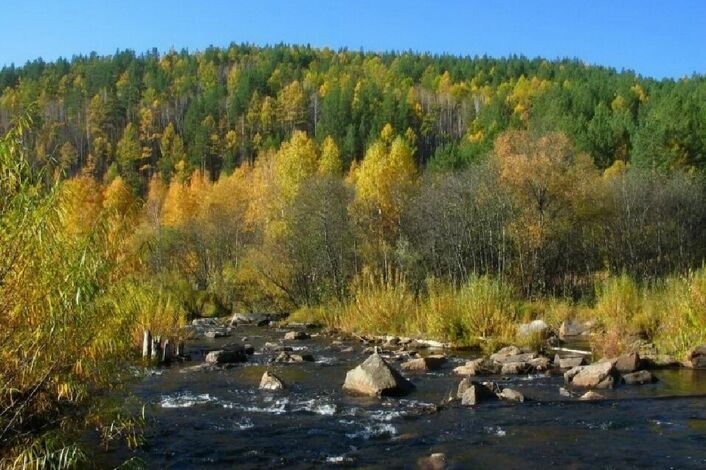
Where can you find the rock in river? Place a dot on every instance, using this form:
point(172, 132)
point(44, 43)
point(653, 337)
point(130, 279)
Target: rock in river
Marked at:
point(598, 375)
point(423, 364)
point(697, 357)
point(475, 393)
point(591, 395)
point(374, 377)
point(639, 377)
point(271, 382)
point(627, 362)
point(509, 394)
point(287, 358)
point(296, 335)
point(226, 356)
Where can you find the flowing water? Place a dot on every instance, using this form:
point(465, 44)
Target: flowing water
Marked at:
point(219, 419)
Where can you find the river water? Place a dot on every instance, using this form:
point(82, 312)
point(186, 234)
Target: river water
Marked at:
point(219, 419)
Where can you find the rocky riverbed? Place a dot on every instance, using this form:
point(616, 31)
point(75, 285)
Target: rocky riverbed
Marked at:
point(256, 395)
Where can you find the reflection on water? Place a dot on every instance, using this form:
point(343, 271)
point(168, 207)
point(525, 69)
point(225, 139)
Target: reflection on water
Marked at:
point(220, 419)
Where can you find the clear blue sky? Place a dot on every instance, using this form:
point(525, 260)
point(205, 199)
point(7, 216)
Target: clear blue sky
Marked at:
point(657, 38)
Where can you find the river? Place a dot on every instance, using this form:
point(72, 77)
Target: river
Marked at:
point(219, 419)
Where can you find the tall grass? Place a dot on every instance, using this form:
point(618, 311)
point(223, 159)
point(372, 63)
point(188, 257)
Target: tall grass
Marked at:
point(482, 312)
point(68, 316)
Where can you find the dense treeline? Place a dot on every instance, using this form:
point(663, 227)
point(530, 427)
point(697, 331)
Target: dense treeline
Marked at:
point(141, 115)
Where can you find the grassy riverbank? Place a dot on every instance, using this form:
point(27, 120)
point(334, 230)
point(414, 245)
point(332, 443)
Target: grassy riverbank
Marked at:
point(485, 313)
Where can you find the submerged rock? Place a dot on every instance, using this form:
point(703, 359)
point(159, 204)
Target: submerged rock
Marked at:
point(564, 392)
point(435, 461)
point(599, 375)
point(639, 377)
point(374, 377)
point(424, 364)
point(591, 395)
point(226, 356)
point(270, 381)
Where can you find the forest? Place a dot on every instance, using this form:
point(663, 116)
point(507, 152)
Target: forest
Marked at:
point(401, 193)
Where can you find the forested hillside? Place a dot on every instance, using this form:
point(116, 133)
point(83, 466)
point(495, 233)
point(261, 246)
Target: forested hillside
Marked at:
point(138, 115)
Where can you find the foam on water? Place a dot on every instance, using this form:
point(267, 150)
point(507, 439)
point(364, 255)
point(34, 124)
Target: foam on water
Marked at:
point(185, 400)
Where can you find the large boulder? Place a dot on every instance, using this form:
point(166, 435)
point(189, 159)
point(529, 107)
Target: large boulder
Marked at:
point(627, 362)
point(270, 381)
point(423, 364)
point(598, 375)
point(226, 356)
point(374, 377)
point(697, 357)
point(639, 377)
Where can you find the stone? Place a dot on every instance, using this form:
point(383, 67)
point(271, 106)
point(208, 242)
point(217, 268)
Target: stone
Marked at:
point(480, 366)
point(476, 393)
point(627, 362)
point(639, 377)
point(522, 357)
point(504, 353)
point(509, 394)
point(540, 363)
point(249, 349)
point(462, 387)
point(696, 359)
point(271, 382)
point(591, 395)
point(659, 361)
point(571, 328)
point(569, 362)
point(296, 335)
point(220, 333)
point(564, 392)
point(534, 328)
point(374, 377)
point(226, 356)
point(424, 364)
point(515, 368)
point(287, 358)
point(598, 375)
point(435, 461)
